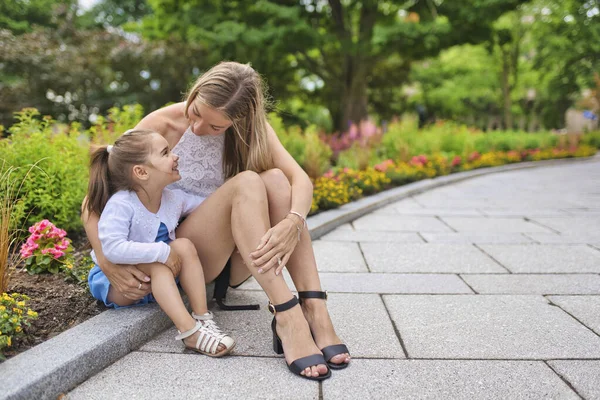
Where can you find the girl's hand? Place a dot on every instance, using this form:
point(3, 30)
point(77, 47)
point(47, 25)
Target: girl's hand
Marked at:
point(127, 279)
point(276, 247)
point(174, 262)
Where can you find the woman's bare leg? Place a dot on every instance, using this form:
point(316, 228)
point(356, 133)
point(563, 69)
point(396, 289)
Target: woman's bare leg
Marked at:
point(236, 215)
point(302, 264)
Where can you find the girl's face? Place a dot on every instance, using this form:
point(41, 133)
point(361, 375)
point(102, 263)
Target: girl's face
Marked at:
point(207, 121)
point(162, 162)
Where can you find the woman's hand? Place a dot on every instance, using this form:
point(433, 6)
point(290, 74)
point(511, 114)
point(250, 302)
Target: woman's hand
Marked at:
point(127, 279)
point(276, 247)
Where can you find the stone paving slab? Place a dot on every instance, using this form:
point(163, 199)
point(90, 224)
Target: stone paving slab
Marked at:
point(161, 376)
point(371, 236)
point(534, 283)
point(576, 224)
point(523, 212)
point(432, 212)
point(252, 329)
point(400, 223)
point(585, 308)
point(568, 238)
point(445, 379)
point(475, 237)
point(545, 258)
point(496, 225)
point(351, 282)
point(583, 375)
point(339, 257)
point(429, 258)
point(489, 327)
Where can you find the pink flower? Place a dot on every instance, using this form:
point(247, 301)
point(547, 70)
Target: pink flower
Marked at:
point(474, 156)
point(456, 161)
point(63, 245)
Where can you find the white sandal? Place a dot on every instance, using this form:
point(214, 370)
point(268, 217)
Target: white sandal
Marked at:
point(210, 337)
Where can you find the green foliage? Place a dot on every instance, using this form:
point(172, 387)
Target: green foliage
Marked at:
point(403, 141)
point(317, 154)
point(356, 157)
point(14, 315)
point(20, 16)
point(591, 139)
point(56, 187)
point(291, 138)
point(78, 271)
point(105, 130)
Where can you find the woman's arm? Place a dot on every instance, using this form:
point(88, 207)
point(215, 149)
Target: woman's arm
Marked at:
point(302, 187)
point(284, 236)
point(169, 121)
point(125, 278)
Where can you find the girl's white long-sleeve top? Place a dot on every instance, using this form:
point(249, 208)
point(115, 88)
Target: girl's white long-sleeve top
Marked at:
point(127, 229)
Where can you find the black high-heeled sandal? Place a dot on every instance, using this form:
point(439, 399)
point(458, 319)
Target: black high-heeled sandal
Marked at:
point(328, 351)
point(300, 364)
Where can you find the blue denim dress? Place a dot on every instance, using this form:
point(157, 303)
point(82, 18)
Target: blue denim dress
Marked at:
point(99, 283)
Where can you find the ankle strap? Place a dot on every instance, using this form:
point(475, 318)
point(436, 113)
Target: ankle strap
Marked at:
point(313, 294)
point(274, 309)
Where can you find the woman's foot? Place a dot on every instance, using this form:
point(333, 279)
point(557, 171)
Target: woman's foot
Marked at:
point(295, 336)
point(315, 312)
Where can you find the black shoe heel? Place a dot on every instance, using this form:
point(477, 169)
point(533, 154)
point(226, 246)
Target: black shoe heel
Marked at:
point(300, 364)
point(277, 346)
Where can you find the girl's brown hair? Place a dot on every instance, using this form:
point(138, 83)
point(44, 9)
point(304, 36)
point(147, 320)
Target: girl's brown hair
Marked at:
point(112, 171)
point(237, 91)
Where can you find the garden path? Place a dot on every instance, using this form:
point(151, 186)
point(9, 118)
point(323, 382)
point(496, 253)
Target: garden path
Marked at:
point(488, 288)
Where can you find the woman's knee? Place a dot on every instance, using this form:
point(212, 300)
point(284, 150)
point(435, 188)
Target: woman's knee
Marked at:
point(277, 184)
point(249, 182)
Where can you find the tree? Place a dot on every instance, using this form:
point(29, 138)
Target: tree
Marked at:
point(567, 34)
point(333, 48)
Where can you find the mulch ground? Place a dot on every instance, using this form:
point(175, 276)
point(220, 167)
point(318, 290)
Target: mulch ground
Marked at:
point(60, 305)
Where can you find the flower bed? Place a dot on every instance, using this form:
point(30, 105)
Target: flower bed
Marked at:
point(336, 188)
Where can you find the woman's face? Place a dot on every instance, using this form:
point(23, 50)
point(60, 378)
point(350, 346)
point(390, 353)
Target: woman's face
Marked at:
point(207, 121)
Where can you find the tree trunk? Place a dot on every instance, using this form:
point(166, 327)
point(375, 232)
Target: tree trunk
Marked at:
point(353, 103)
point(508, 122)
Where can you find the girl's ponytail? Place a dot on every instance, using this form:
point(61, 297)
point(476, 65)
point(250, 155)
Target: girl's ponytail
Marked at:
point(99, 190)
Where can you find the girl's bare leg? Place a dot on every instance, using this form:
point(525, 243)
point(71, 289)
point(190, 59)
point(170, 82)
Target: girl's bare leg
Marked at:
point(236, 215)
point(301, 265)
point(191, 277)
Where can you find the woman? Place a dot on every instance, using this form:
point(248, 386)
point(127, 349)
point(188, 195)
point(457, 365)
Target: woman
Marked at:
point(257, 198)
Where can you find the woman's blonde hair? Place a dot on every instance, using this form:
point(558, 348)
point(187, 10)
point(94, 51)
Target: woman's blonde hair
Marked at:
point(111, 167)
point(237, 91)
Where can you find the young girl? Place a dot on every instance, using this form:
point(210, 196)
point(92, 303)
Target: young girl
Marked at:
point(137, 226)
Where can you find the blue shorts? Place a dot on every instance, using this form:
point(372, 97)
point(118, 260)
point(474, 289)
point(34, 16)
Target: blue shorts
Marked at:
point(99, 283)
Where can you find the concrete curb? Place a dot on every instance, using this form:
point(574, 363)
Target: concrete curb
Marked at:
point(61, 363)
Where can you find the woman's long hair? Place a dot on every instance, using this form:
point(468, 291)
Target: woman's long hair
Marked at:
point(237, 91)
point(111, 170)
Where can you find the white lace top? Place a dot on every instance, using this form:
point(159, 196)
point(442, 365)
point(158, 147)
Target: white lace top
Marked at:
point(200, 163)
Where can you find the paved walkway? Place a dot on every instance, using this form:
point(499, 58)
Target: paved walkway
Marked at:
point(489, 288)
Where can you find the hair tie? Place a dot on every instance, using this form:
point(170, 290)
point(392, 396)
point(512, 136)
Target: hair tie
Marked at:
point(109, 148)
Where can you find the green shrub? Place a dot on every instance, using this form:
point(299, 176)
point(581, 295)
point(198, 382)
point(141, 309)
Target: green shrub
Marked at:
point(106, 130)
point(55, 188)
point(291, 138)
point(591, 139)
point(317, 154)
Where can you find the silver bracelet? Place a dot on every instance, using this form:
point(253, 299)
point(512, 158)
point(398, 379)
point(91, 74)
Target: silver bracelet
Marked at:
point(300, 215)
